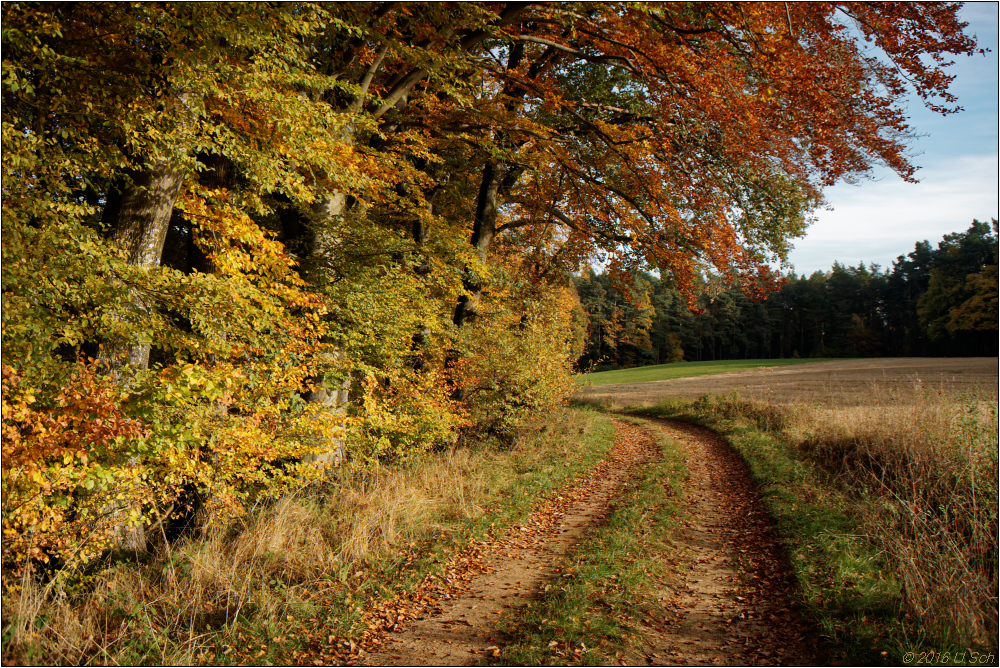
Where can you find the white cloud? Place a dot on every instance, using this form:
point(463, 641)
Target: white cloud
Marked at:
point(878, 221)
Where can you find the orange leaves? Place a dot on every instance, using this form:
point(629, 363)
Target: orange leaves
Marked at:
point(53, 448)
point(84, 417)
point(672, 117)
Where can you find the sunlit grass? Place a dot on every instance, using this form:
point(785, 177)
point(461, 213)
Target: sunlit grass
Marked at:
point(645, 374)
point(303, 566)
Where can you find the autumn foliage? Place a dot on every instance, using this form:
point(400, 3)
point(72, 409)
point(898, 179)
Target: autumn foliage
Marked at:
point(221, 221)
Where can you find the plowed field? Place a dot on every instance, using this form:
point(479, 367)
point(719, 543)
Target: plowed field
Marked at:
point(837, 383)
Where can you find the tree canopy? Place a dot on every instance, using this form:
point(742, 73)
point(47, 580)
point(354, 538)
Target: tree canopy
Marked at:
point(220, 221)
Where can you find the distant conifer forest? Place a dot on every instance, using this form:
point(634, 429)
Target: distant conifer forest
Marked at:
point(933, 302)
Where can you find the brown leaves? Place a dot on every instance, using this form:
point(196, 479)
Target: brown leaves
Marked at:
point(735, 595)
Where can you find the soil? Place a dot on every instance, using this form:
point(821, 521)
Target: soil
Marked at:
point(732, 598)
point(728, 600)
point(512, 571)
point(836, 383)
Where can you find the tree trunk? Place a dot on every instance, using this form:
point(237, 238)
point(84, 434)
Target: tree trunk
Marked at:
point(141, 219)
point(332, 399)
point(483, 231)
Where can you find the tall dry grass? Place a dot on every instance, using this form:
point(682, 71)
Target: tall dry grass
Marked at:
point(922, 467)
point(173, 606)
point(925, 468)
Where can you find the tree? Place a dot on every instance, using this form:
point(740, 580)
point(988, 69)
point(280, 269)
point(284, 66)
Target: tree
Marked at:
point(978, 311)
point(959, 308)
point(667, 168)
point(381, 169)
point(106, 110)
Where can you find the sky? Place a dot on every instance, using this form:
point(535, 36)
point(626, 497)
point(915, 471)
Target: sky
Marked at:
point(877, 220)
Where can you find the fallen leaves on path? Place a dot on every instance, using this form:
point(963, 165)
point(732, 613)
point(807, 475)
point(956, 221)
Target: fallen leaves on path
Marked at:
point(489, 577)
point(729, 600)
point(733, 600)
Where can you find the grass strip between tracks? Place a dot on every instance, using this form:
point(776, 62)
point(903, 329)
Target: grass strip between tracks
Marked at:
point(590, 611)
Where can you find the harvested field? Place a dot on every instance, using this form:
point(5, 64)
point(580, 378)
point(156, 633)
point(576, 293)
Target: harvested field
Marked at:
point(836, 383)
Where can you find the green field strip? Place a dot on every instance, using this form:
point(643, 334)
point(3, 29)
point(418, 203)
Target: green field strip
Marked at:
point(684, 370)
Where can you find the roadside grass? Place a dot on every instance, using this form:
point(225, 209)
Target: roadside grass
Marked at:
point(889, 514)
point(593, 607)
point(684, 370)
point(293, 577)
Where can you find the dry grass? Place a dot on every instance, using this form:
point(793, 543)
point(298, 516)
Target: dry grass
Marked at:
point(927, 472)
point(169, 608)
point(922, 468)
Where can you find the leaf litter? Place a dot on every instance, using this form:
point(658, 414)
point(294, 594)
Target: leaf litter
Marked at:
point(510, 571)
point(729, 600)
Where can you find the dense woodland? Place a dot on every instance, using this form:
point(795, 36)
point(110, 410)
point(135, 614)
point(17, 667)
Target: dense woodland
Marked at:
point(933, 302)
point(243, 241)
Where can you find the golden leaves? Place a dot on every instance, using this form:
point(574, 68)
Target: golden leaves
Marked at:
point(673, 135)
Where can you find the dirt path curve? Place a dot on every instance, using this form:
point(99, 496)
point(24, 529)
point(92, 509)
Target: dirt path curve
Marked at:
point(731, 600)
point(458, 630)
point(727, 601)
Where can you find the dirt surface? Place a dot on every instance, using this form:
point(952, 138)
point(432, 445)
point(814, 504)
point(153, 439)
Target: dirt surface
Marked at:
point(731, 598)
point(837, 383)
point(728, 599)
point(457, 629)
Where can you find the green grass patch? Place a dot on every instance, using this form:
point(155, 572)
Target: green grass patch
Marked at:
point(846, 583)
point(592, 607)
point(645, 374)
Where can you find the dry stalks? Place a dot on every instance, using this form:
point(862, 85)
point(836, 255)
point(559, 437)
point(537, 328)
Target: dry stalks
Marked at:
point(169, 607)
point(923, 466)
point(927, 469)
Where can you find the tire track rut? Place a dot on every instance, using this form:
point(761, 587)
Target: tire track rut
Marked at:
point(728, 599)
point(732, 598)
point(511, 572)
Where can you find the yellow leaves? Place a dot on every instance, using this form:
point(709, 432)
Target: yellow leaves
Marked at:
point(235, 243)
point(640, 158)
point(517, 361)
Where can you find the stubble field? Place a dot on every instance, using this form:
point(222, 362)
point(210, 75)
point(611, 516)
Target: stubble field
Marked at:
point(832, 383)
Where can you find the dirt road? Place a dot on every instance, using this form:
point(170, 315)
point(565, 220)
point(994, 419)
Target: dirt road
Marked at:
point(731, 601)
point(728, 600)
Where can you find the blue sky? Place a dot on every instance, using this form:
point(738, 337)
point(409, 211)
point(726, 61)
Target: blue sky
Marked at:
point(876, 221)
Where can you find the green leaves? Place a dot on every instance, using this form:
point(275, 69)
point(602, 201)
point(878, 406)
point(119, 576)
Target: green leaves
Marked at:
point(319, 174)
